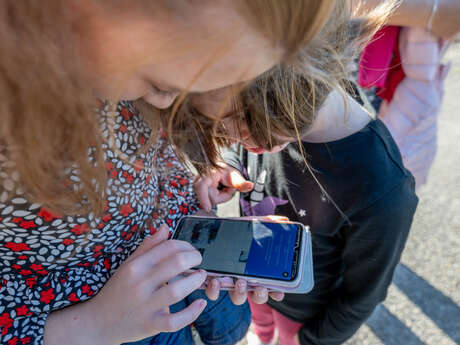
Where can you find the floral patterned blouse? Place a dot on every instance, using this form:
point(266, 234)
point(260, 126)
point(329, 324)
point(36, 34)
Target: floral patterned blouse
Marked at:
point(49, 261)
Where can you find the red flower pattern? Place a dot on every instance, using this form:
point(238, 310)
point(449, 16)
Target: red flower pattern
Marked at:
point(27, 224)
point(30, 282)
point(47, 215)
point(36, 267)
point(86, 288)
point(25, 340)
point(73, 297)
point(67, 241)
point(17, 247)
point(84, 262)
point(47, 296)
point(13, 341)
point(5, 322)
point(126, 210)
point(80, 229)
point(23, 310)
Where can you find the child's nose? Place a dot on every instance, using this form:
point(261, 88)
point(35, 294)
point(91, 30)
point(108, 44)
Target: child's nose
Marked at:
point(244, 132)
point(245, 135)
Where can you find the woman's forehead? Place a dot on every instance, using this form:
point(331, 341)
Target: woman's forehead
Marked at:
point(215, 103)
point(216, 51)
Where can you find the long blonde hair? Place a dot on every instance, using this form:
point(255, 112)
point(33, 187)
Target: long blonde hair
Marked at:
point(47, 113)
point(282, 102)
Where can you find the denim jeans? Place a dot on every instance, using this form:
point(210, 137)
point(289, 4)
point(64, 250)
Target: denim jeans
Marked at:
point(221, 323)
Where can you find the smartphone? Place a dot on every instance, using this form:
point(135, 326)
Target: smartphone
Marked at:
point(262, 252)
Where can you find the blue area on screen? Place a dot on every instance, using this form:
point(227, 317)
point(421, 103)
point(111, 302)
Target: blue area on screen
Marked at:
point(272, 250)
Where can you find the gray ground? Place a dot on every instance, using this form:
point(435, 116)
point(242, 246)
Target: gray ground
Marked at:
point(423, 303)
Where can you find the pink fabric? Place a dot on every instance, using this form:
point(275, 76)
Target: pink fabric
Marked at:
point(395, 76)
point(266, 320)
point(376, 59)
point(411, 116)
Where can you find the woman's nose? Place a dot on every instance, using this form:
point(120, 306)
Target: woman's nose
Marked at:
point(168, 99)
point(162, 100)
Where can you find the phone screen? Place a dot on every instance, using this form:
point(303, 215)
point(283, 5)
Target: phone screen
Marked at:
point(249, 248)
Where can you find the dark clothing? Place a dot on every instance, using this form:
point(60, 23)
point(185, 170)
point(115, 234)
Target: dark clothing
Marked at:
point(354, 252)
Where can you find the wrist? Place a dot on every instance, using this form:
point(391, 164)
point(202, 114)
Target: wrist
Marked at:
point(434, 10)
point(76, 325)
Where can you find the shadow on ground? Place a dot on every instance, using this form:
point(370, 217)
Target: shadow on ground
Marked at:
point(439, 308)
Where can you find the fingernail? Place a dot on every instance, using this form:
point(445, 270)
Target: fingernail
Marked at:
point(247, 187)
point(203, 303)
point(214, 284)
point(241, 286)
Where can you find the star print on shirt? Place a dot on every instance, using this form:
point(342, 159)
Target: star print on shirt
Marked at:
point(302, 213)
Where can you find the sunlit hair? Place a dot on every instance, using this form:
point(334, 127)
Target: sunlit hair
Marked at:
point(48, 121)
point(283, 102)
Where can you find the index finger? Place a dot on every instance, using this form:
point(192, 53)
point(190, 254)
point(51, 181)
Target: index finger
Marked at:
point(276, 295)
point(259, 295)
point(163, 251)
point(239, 294)
point(233, 178)
point(201, 187)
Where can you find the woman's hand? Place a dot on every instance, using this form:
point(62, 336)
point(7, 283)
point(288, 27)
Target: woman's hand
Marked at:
point(219, 186)
point(134, 303)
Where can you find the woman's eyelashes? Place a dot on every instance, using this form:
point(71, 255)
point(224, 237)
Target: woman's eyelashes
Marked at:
point(165, 92)
point(161, 99)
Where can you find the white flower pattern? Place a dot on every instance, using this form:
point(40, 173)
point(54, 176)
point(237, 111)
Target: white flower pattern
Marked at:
point(50, 261)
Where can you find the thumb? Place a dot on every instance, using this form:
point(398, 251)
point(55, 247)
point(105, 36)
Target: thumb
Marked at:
point(236, 180)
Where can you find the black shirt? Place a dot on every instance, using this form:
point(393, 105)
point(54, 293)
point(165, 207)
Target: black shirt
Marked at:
point(359, 222)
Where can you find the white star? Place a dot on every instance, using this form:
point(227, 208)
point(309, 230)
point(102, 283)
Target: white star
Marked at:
point(302, 213)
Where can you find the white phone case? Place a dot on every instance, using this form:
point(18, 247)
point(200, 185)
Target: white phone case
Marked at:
point(303, 282)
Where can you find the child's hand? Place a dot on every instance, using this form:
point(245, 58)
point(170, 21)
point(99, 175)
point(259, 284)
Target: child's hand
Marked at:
point(240, 292)
point(219, 186)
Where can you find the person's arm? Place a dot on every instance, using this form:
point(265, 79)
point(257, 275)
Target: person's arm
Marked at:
point(416, 13)
point(118, 313)
point(373, 246)
point(132, 305)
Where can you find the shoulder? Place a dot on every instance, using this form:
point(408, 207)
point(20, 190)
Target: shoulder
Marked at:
point(361, 168)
